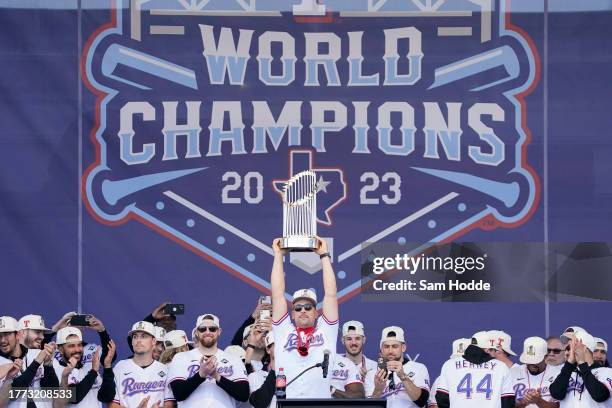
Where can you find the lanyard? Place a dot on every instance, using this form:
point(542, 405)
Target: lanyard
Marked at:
point(543, 374)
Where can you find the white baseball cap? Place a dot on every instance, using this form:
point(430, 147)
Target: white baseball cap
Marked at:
point(569, 333)
point(269, 339)
point(305, 294)
point(207, 316)
point(459, 346)
point(143, 326)
point(8, 324)
point(236, 351)
point(501, 338)
point(64, 333)
point(34, 322)
point(534, 350)
point(586, 339)
point(175, 339)
point(604, 344)
point(394, 333)
point(354, 327)
point(160, 333)
point(481, 339)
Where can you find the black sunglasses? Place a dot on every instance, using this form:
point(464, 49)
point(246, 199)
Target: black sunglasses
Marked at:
point(211, 329)
point(554, 351)
point(306, 307)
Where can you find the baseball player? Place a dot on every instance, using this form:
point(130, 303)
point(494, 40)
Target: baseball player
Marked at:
point(207, 376)
point(531, 381)
point(175, 342)
point(353, 340)
point(600, 355)
point(475, 380)
point(82, 378)
point(89, 349)
point(160, 333)
point(304, 343)
point(255, 344)
point(501, 347)
point(263, 383)
point(9, 370)
point(140, 378)
point(555, 352)
point(580, 384)
point(402, 384)
point(346, 381)
point(459, 346)
point(32, 331)
point(36, 366)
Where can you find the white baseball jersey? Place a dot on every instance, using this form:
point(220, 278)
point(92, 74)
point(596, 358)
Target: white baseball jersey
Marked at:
point(29, 359)
point(578, 396)
point(256, 380)
point(367, 363)
point(475, 385)
point(396, 394)
point(431, 401)
point(4, 361)
point(523, 380)
point(344, 373)
point(134, 383)
point(311, 384)
point(208, 394)
point(75, 377)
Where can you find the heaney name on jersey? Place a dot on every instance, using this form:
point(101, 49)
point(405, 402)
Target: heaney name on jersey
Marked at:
point(488, 365)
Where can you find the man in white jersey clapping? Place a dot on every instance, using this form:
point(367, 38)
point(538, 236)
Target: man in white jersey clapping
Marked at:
point(581, 383)
point(208, 376)
point(531, 380)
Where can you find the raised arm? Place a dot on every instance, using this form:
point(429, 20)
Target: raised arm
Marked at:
point(277, 281)
point(330, 298)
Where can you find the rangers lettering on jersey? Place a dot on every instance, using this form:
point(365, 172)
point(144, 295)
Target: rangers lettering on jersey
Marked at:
point(131, 386)
point(316, 341)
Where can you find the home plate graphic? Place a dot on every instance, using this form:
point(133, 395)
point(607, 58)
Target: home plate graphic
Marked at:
point(411, 113)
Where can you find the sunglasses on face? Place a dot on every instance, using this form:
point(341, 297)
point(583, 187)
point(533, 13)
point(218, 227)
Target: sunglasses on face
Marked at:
point(306, 307)
point(554, 351)
point(211, 329)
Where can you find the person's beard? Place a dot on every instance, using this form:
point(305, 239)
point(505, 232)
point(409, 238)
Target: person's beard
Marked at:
point(598, 364)
point(534, 369)
point(33, 343)
point(208, 342)
point(67, 357)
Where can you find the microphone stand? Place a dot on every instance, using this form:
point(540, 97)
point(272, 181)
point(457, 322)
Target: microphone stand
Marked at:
point(306, 370)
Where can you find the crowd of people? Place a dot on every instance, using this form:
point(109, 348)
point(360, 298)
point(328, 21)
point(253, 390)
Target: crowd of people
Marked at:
point(288, 352)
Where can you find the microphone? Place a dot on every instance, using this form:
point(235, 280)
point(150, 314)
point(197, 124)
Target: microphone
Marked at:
point(325, 363)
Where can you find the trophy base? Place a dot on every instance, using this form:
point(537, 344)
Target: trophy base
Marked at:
point(299, 244)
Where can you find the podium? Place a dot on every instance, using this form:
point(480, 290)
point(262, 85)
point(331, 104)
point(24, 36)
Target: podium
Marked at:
point(331, 403)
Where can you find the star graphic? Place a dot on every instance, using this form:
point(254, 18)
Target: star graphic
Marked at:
point(322, 184)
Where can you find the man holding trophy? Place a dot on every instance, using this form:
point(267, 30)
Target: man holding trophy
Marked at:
point(305, 348)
